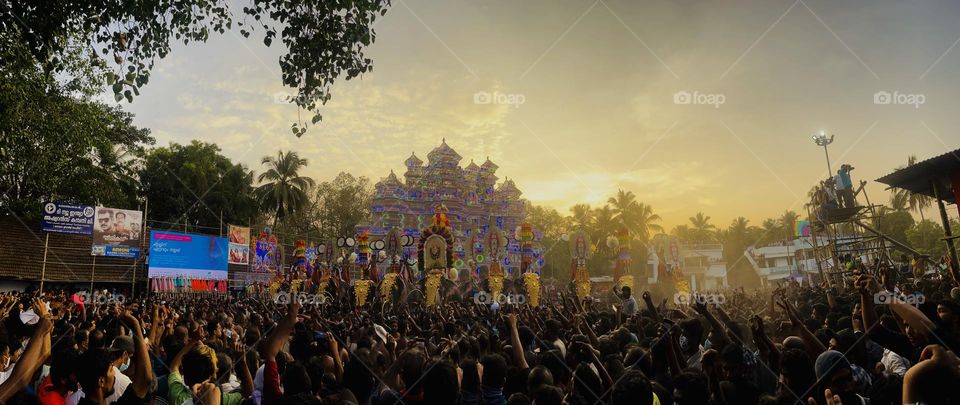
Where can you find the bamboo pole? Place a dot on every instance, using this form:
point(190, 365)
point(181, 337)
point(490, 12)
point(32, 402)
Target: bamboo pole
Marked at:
point(43, 270)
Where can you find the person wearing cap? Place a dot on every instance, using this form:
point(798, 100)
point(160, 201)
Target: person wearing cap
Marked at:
point(834, 373)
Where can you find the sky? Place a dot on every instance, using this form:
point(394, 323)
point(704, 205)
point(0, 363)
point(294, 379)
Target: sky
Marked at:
point(695, 106)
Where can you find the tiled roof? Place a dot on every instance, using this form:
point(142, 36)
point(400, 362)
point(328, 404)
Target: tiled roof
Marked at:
point(918, 176)
point(68, 256)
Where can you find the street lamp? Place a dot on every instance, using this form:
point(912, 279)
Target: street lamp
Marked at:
point(821, 139)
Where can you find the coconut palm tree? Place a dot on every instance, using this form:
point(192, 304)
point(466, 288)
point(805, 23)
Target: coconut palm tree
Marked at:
point(646, 221)
point(625, 209)
point(789, 223)
point(683, 232)
point(582, 216)
point(604, 225)
point(736, 238)
point(637, 217)
point(702, 230)
point(915, 201)
point(899, 201)
point(283, 190)
point(771, 230)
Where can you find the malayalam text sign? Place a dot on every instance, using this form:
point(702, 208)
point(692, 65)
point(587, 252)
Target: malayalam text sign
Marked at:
point(188, 255)
point(67, 218)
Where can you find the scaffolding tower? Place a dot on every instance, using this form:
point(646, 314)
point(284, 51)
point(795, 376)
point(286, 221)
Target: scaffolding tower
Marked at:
point(851, 232)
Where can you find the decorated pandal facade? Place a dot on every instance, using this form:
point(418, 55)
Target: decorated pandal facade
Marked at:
point(470, 197)
point(441, 223)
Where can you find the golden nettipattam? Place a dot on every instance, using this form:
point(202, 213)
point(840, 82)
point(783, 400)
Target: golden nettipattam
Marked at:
point(360, 290)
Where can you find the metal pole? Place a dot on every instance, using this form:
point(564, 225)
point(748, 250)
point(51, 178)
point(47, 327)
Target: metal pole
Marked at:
point(837, 269)
point(43, 270)
point(143, 232)
point(829, 169)
point(946, 223)
point(93, 272)
point(816, 251)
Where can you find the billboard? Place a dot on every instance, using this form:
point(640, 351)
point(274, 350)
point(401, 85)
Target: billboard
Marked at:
point(239, 237)
point(116, 232)
point(67, 218)
point(186, 255)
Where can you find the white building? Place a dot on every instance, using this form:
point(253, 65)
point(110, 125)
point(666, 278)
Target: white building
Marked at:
point(783, 260)
point(701, 264)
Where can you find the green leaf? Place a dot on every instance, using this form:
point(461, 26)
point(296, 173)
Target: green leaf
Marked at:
point(267, 41)
point(111, 78)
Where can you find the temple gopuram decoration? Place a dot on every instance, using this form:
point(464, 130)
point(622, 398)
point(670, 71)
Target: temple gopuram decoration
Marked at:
point(475, 203)
point(580, 252)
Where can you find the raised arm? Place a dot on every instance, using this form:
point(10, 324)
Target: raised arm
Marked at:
point(913, 317)
point(31, 359)
point(719, 331)
point(867, 287)
point(517, 347)
point(814, 346)
point(648, 301)
point(142, 376)
point(282, 332)
point(241, 368)
point(768, 350)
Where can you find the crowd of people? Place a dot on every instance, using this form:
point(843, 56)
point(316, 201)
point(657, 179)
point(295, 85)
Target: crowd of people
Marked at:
point(871, 339)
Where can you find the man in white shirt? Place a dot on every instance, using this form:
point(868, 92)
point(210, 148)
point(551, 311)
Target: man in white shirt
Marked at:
point(894, 363)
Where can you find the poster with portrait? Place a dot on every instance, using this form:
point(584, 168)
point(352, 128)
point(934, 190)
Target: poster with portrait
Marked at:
point(116, 232)
point(239, 237)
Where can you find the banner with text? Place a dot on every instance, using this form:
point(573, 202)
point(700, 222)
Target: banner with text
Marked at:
point(117, 232)
point(187, 256)
point(239, 244)
point(67, 218)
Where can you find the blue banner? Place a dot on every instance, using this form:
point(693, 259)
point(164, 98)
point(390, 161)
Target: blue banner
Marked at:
point(67, 218)
point(186, 255)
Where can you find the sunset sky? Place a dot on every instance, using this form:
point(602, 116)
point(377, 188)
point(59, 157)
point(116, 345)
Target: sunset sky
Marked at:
point(598, 81)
